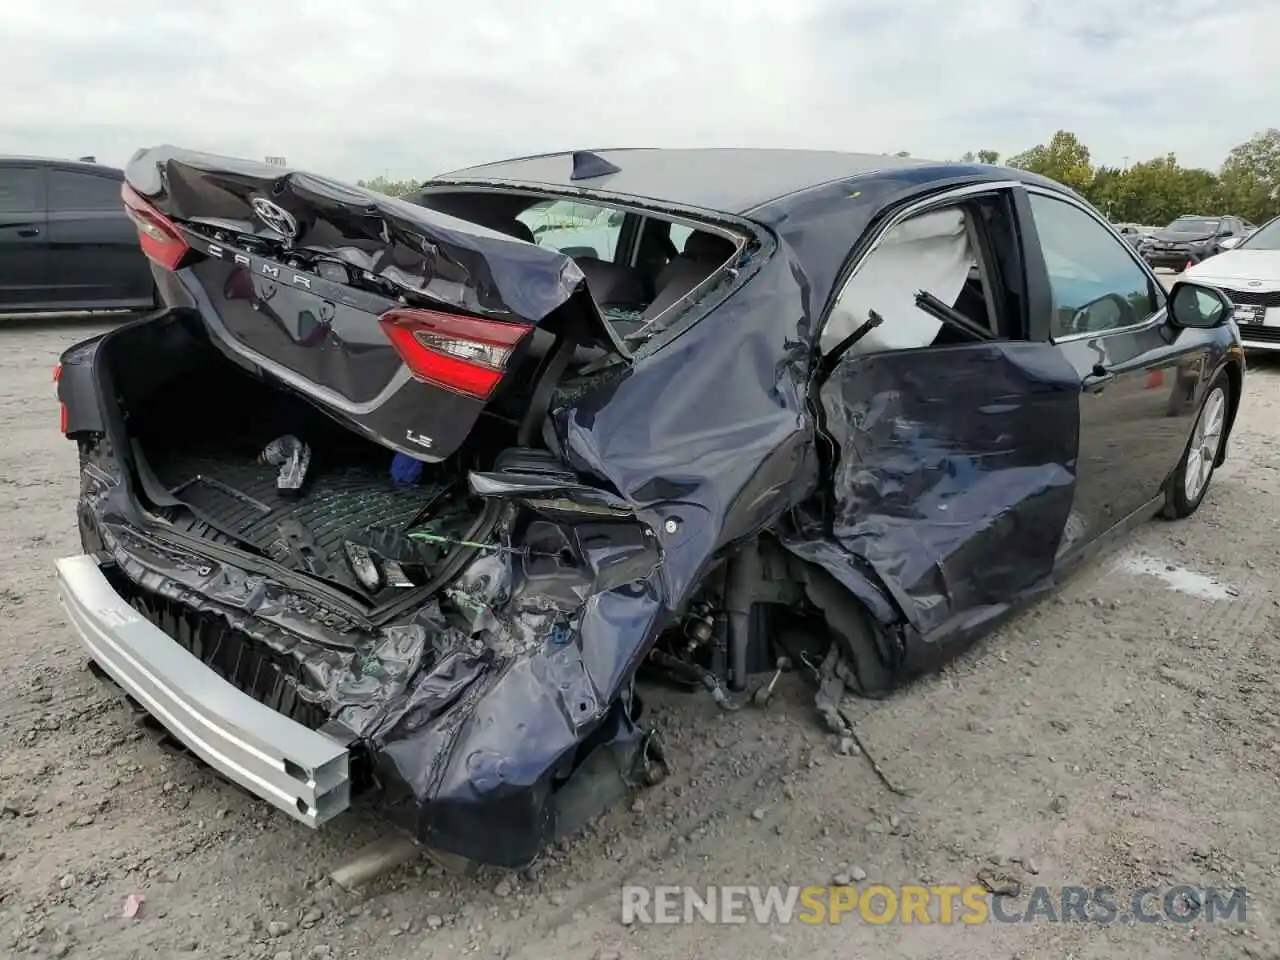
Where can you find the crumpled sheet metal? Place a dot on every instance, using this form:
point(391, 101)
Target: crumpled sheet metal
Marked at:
point(956, 471)
point(699, 461)
point(473, 709)
point(450, 261)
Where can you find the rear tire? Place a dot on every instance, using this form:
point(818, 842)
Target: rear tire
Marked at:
point(1190, 480)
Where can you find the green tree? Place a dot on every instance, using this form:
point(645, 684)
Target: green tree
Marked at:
point(1154, 191)
point(1250, 178)
point(988, 156)
point(1104, 191)
point(1064, 158)
point(392, 188)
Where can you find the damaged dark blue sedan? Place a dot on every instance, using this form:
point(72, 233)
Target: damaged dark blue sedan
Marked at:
point(404, 494)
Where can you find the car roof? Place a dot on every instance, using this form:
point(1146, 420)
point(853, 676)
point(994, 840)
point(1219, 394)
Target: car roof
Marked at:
point(7, 160)
point(726, 180)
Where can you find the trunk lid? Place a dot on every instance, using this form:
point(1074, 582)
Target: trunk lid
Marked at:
point(400, 321)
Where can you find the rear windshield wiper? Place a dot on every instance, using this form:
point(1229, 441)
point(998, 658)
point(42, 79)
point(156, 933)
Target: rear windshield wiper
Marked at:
point(931, 305)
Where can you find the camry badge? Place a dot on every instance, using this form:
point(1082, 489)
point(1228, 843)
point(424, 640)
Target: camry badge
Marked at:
point(276, 217)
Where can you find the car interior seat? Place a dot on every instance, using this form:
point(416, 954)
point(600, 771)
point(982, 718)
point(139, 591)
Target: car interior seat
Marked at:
point(703, 254)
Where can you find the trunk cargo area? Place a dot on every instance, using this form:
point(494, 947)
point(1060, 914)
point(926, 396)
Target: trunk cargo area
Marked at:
point(198, 425)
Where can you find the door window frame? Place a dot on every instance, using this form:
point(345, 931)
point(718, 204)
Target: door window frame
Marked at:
point(1034, 263)
point(955, 196)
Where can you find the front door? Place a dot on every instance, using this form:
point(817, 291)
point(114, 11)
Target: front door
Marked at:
point(1105, 311)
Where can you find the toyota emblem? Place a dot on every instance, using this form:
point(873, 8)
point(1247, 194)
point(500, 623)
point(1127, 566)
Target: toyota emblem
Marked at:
point(276, 217)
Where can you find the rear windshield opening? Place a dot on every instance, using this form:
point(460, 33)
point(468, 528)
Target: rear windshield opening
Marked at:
point(637, 265)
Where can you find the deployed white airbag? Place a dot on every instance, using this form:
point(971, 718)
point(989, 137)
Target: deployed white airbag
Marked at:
point(929, 252)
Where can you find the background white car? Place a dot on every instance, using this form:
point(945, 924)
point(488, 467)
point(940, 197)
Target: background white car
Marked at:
point(1249, 274)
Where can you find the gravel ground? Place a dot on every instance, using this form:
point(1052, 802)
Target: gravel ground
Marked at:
point(1122, 733)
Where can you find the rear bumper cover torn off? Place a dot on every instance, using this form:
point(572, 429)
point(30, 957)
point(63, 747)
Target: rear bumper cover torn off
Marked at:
point(303, 772)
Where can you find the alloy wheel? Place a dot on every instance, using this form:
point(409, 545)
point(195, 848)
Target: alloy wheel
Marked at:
point(1206, 439)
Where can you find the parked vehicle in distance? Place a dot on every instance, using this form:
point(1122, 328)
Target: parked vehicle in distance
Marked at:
point(1250, 275)
point(66, 242)
point(575, 229)
point(1132, 233)
point(1190, 239)
point(389, 495)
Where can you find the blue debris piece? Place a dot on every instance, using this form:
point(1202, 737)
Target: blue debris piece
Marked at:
point(405, 470)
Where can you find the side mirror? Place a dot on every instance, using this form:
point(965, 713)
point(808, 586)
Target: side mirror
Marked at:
point(1198, 307)
point(1230, 243)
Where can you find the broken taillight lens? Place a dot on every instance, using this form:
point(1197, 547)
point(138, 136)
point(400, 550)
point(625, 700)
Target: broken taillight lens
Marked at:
point(160, 238)
point(465, 354)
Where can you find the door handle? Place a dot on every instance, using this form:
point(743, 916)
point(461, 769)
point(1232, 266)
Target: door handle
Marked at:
point(1098, 378)
point(28, 231)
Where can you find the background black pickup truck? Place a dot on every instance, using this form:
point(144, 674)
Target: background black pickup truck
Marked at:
point(66, 242)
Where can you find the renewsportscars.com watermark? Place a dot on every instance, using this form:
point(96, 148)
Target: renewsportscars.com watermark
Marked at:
point(969, 905)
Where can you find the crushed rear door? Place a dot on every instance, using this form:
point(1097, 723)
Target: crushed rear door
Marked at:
point(956, 471)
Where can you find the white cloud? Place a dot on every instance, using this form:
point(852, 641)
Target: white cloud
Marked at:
point(356, 89)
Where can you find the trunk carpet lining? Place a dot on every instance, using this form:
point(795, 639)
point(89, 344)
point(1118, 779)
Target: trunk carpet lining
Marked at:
point(305, 533)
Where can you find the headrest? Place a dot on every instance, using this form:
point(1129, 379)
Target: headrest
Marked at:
point(611, 284)
point(515, 228)
point(702, 245)
point(500, 224)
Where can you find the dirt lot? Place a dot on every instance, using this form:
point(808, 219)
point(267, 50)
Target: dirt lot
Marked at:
point(1123, 733)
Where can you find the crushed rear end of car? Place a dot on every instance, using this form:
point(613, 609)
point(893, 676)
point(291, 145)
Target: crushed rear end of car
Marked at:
point(326, 544)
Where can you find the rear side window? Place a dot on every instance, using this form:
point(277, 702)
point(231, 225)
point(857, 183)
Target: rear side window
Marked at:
point(83, 191)
point(21, 190)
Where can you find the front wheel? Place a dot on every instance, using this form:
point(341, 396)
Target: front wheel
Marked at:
point(1190, 480)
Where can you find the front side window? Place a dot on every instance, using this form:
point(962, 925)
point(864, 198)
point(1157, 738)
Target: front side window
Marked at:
point(575, 229)
point(1094, 282)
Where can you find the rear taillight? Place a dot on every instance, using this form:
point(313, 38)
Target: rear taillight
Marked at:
point(160, 238)
point(464, 354)
point(62, 407)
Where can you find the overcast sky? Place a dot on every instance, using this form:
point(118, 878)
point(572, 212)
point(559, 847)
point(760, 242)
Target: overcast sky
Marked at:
point(355, 88)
